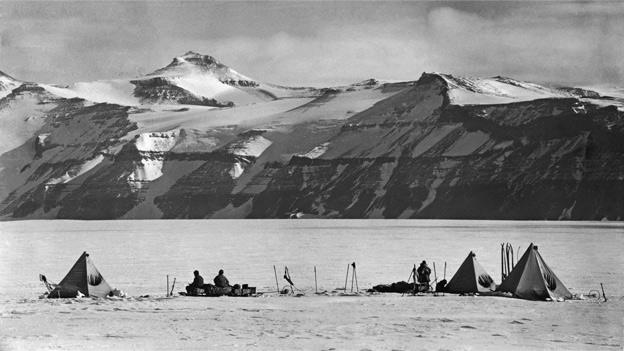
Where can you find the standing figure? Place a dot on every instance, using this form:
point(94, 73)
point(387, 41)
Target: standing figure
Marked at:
point(423, 274)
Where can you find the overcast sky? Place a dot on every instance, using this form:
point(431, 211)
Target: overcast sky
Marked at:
point(317, 43)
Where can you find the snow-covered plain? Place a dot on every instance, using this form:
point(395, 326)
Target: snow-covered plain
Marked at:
point(135, 256)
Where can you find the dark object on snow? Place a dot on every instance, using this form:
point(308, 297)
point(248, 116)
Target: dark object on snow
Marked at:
point(212, 290)
point(398, 287)
point(441, 286)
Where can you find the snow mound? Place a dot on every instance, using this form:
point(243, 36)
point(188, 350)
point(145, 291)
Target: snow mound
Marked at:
point(157, 141)
point(237, 170)
point(253, 146)
point(151, 145)
point(317, 151)
point(495, 90)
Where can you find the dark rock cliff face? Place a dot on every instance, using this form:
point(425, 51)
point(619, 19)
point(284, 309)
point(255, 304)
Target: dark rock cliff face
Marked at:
point(412, 155)
point(55, 156)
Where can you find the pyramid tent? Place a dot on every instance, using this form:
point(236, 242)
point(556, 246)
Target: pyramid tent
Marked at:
point(470, 278)
point(532, 279)
point(83, 277)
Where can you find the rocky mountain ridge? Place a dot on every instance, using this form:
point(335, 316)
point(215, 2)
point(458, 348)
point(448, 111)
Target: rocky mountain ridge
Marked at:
point(196, 139)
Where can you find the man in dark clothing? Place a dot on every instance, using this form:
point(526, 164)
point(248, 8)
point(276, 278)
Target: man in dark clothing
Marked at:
point(198, 282)
point(221, 281)
point(423, 273)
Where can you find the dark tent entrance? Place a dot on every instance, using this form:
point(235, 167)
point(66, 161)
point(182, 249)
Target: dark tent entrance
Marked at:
point(83, 277)
point(532, 279)
point(471, 277)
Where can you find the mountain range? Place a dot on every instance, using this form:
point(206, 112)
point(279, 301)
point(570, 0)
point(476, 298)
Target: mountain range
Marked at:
point(196, 139)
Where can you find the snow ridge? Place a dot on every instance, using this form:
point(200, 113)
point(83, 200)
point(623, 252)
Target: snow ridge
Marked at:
point(495, 90)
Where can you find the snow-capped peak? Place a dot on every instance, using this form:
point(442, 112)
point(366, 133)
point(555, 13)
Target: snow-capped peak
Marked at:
point(6, 77)
point(7, 84)
point(192, 63)
point(198, 59)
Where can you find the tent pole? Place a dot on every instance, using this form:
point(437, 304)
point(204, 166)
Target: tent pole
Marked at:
point(352, 276)
point(502, 266)
point(603, 294)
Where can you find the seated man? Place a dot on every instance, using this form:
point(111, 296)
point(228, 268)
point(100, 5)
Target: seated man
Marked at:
point(198, 282)
point(221, 281)
point(423, 274)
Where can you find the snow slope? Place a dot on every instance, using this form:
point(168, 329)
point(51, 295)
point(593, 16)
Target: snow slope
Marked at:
point(77, 171)
point(611, 95)
point(495, 90)
point(20, 119)
point(253, 146)
point(117, 91)
point(339, 105)
point(7, 84)
point(202, 118)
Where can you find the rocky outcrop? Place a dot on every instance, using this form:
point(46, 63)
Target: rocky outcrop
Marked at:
point(161, 90)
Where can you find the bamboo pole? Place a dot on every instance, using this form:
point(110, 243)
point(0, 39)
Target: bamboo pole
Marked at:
point(315, 282)
point(276, 282)
point(603, 293)
point(172, 287)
